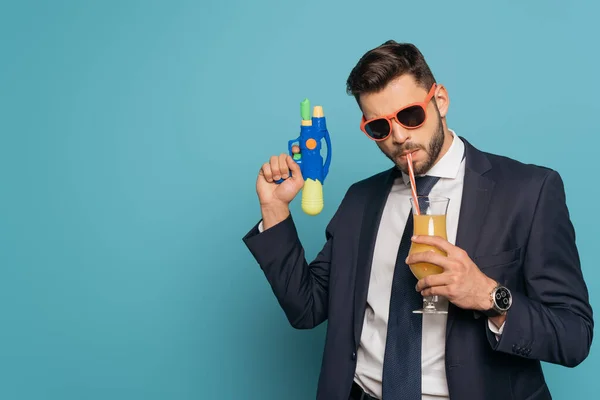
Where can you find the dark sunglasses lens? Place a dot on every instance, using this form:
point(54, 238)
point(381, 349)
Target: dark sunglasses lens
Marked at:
point(411, 116)
point(378, 129)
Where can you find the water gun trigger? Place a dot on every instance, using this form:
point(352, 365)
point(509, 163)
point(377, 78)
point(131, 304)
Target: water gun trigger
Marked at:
point(294, 152)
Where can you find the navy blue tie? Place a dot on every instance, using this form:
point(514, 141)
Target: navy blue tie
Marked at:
point(402, 360)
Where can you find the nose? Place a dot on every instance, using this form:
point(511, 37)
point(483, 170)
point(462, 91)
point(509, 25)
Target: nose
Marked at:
point(399, 133)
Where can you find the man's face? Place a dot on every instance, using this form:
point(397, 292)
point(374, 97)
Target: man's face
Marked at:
point(425, 143)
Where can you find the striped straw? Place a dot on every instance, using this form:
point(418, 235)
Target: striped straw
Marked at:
point(411, 174)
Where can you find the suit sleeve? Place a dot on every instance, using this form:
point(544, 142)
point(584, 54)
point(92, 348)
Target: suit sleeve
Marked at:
point(301, 288)
point(553, 321)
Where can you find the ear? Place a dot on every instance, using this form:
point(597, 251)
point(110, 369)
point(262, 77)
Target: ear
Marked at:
point(442, 100)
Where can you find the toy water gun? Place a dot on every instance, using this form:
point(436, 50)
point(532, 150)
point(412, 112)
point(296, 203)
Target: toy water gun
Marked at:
point(307, 154)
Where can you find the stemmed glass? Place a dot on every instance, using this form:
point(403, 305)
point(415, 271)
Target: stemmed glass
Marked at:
point(428, 219)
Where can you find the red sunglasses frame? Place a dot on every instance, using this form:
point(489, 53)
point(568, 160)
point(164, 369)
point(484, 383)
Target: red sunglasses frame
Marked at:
point(393, 116)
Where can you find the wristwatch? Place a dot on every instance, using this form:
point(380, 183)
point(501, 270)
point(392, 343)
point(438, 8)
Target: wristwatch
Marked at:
point(501, 301)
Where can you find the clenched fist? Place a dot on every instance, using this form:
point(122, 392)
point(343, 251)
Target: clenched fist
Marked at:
point(275, 198)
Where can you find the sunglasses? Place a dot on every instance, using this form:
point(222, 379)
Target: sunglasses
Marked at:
point(411, 116)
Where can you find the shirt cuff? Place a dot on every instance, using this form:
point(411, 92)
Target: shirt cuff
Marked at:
point(494, 329)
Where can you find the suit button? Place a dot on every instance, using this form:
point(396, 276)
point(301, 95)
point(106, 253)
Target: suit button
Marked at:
point(353, 356)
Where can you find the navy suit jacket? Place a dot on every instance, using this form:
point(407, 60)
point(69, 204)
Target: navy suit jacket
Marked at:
point(514, 224)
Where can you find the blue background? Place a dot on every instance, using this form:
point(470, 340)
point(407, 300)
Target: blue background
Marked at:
point(131, 135)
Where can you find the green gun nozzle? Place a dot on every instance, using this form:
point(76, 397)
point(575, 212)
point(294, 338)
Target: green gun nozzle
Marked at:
point(305, 110)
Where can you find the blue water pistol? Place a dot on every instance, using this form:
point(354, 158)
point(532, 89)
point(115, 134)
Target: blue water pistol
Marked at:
point(307, 154)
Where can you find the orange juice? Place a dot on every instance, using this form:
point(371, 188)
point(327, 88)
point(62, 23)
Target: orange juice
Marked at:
point(432, 225)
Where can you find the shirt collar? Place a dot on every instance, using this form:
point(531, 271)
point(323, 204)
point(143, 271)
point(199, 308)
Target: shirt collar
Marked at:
point(449, 165)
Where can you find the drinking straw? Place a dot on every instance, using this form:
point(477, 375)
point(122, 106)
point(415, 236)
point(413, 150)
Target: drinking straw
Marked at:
point(411, 174)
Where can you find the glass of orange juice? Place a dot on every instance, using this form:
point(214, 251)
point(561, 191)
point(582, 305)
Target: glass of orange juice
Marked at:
point(429, 220)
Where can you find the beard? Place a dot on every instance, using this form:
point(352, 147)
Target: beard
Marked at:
point(432, 150)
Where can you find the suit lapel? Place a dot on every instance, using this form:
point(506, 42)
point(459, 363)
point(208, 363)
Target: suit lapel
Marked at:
point(368, 235)
point(477, 192)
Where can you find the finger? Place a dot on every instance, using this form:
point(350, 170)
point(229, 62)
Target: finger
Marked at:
point(443, 290)
point(431, 257)
point(266, 172)
point(275, 167)
point(434, 280)
point(435, 241)
point(294, 167)
point(283, 167)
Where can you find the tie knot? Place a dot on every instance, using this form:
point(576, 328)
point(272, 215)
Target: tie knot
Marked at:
point(425, 184)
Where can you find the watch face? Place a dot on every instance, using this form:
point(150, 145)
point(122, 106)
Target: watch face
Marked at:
point(503, 299)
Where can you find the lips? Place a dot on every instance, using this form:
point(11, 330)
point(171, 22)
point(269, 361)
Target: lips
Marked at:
point(404, 154)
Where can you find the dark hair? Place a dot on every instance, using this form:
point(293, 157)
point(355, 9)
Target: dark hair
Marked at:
point(379, 66)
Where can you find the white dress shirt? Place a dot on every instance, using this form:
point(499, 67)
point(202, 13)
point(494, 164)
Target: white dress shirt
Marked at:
point(450, 168)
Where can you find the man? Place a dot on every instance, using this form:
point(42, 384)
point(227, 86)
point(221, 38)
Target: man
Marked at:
point(511, 282)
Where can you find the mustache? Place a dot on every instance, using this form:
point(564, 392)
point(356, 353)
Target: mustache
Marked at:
point(402, 149)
